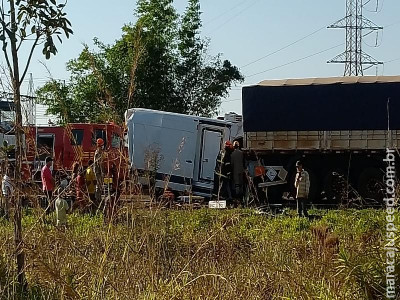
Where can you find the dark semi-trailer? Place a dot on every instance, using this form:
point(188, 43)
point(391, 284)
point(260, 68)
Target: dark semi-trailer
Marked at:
point(340, 128)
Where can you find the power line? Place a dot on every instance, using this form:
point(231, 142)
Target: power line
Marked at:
point(301, 39)
point(231, 100)
point(389, 61)
point(233, 17)
point(225, 12)
point(238, 99)
point(377, 10)
point(392, 24)
point(295, 61)
point(300, 59)
point(283, 48)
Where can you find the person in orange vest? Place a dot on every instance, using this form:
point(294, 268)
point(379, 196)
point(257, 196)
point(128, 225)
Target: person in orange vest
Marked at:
point(98, 170)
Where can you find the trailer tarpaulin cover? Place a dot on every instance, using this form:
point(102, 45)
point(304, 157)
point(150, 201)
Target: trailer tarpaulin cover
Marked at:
point(352, 103)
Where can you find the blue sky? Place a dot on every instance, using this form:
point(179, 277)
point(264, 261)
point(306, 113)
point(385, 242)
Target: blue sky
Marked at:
point(244, 31)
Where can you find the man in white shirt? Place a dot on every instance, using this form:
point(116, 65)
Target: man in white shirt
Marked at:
point(302, 185)
point(7, 190)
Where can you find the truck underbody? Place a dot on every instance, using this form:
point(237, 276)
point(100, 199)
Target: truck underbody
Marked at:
point(337, 178)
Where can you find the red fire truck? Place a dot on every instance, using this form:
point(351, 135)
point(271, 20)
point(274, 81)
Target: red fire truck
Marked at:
point(74, 143)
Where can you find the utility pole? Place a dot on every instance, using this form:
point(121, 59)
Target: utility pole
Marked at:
point(354, 22)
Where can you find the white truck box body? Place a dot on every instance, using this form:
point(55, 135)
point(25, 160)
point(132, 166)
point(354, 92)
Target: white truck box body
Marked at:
point(181, 149)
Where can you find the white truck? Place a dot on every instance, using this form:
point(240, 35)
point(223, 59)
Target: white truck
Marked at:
point(180, 150)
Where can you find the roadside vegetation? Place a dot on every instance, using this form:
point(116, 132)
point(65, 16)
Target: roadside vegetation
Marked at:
point(199, 254)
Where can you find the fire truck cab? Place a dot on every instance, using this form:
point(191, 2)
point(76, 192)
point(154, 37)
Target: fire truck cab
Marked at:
point(72, 143)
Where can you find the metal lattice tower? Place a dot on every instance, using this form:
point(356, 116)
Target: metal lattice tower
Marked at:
point(31, 105)
point(354, 22)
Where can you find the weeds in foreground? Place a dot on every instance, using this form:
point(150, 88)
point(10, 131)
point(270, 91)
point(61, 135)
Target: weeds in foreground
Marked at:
point(202, 254)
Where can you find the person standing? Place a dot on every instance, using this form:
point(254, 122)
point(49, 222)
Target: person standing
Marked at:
point(7, 190)
point(302, 185)
point(238, 166)
point(98, 170)
point(223, 172)
point(72, 187)
point(61, 205)
point(79, 185)
point(48, 182)
point(91, 183)
point(113, 197)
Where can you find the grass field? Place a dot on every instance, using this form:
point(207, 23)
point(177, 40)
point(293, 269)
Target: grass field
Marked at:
point(201, 254)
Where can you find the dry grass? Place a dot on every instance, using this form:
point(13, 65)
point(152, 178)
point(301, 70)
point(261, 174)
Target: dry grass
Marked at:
point(202, 254)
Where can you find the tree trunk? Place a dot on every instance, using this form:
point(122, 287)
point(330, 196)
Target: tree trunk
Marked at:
point(17, 195)
point(20, 255)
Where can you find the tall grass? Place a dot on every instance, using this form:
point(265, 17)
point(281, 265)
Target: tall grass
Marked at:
point(202, 254)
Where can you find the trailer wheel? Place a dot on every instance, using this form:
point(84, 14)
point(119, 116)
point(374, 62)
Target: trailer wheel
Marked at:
point(334, 186)
point(371, 184)
point(315, 189)
point(158, 193)
point(274, 195)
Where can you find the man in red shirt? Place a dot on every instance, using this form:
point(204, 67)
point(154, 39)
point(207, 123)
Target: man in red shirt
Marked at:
point(48, 180)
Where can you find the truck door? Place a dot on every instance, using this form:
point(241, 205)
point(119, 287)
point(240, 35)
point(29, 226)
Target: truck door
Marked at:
point(45, 147)
point(211, 145)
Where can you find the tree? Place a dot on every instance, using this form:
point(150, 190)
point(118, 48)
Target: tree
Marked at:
point(32, 24)
point(64, 106)
point(201, 85)
point(172, 69)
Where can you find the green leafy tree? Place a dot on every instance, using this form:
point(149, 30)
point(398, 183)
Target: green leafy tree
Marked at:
point(201, 85)
point(27, 24)
point(65, 106)
point(160, 62)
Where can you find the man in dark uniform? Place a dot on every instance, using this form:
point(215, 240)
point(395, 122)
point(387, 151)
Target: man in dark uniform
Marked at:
point(223, 172)
point(238, 167)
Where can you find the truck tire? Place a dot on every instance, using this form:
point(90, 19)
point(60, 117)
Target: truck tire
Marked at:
point(334, 186)
point(314, 194)
point(274, 195)
point(370, 185)
point(158, 193)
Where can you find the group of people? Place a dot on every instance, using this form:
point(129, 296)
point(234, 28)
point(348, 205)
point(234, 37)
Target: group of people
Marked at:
point(85, 186)
point(230, 173)
point(229, 179)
